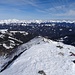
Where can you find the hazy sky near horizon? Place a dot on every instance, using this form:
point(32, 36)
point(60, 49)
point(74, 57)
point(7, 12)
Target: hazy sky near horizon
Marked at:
point(37, 9)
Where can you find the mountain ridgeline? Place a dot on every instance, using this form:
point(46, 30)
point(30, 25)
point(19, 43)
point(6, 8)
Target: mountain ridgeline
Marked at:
point(58, 31)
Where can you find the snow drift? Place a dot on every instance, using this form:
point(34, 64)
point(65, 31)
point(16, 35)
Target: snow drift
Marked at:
point(45, 57)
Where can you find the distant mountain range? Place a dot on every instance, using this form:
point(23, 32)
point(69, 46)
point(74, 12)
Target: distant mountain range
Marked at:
point(58, 30)
point(34, 21)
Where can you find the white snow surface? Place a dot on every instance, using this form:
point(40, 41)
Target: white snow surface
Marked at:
point(7, 47)
point(45, 56)
point(3, 30)
point(26, 46)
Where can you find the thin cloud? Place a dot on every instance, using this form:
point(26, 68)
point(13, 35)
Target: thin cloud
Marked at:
point(54, 8)
point(68, 13)
point(42, 11)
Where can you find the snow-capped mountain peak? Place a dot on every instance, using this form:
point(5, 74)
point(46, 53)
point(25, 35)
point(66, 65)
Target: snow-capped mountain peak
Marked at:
point(34, 21)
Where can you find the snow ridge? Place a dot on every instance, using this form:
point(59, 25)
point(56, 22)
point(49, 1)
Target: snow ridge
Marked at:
point(43, 56)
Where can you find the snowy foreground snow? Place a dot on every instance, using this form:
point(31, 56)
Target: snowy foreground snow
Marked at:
point(46, 57)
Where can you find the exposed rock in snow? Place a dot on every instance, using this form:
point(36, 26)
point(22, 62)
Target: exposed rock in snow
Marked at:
point(44, 57)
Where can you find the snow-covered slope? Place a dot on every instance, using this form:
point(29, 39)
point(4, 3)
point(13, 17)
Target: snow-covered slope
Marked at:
point(5, 60)
point(44, 57)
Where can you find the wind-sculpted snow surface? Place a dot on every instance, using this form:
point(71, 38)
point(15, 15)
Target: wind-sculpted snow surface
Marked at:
point(43, 57)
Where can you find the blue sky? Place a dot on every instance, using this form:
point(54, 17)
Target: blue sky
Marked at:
point(37, 9)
